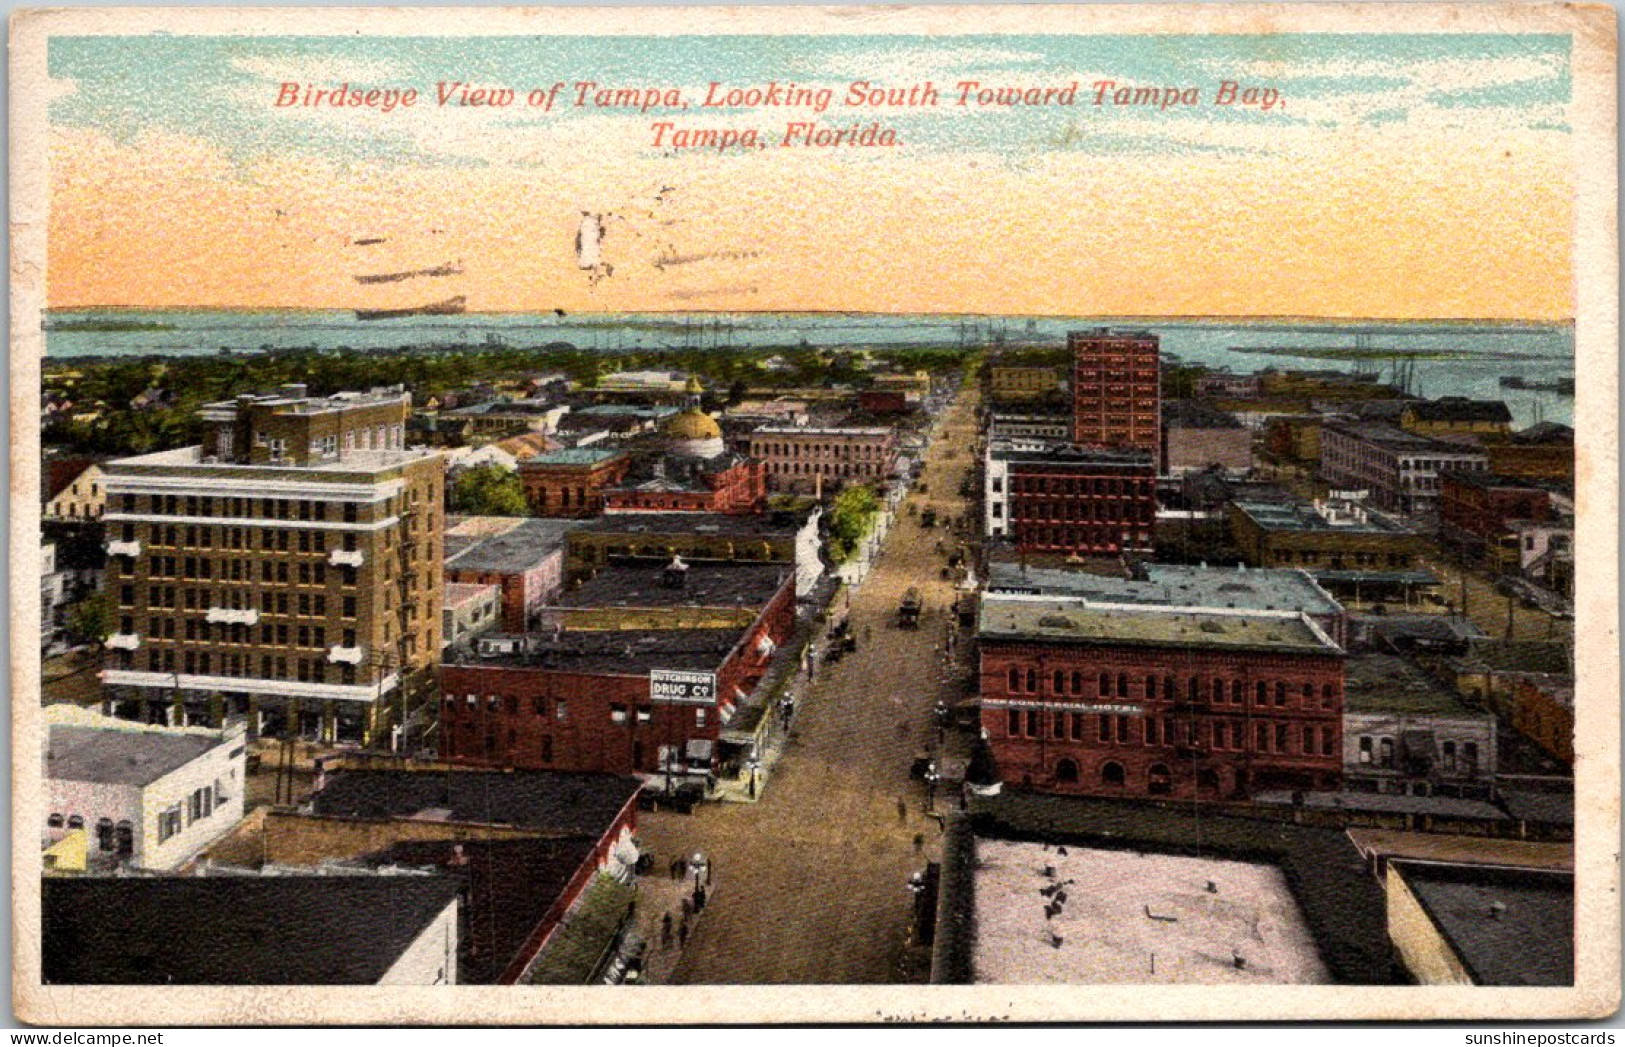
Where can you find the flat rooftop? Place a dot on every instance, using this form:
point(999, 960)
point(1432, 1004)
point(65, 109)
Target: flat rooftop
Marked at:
point(623, 652)
point(113, 756)
point(1174, 585)
point(235, 930)
point(836, 432)
point(1058, 452)
point(1393, 438)
point(553, 803)
point(1386, 683)
point(776, 524)
point(1066, 621)
point(706, 584)
point(526, 545)
point(190, 460)
point(1132, 917)
point(1507, 926)
point(575, 456)
point(1298, 515)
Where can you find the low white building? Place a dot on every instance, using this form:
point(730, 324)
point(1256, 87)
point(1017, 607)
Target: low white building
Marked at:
point(469, 610)
point(1405, 734)
point(146, 797)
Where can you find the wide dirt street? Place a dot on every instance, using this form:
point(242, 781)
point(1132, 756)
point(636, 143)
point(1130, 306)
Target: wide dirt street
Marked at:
point(811, 883)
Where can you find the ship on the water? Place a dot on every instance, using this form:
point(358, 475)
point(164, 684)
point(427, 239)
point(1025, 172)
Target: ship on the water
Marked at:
point(450, 307)
point(1564, 385)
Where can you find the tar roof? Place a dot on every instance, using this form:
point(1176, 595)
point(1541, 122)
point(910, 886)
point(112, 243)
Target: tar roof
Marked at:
point(1064, 621)
point(1507, 926)
point(112, 756)
point(1032, 451)
point(691, 523)
point(612, 651)
point(522, 548)
point(235, 930)
point(518, 879)
point(1402, 441)
point(1385, 683)
point(1460, 409)
point(704, 584)
point(553, 803)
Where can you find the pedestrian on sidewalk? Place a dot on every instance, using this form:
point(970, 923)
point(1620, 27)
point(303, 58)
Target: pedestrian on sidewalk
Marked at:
point(710, 871)
point(665, 930)
point(688, 908)
point(919, 841)
point(699, 899)
point(682, 934)
point(902, 809)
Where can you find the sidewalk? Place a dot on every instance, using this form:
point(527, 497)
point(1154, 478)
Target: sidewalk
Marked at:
point(658, 896)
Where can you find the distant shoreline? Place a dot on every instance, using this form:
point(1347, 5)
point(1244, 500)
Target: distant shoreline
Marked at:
point(1124, 318)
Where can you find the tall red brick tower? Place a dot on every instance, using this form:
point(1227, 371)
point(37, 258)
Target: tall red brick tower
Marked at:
point(1117, 390)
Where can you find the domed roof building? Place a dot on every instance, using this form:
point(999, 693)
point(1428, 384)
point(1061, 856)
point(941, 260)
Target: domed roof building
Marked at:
point(691, 432)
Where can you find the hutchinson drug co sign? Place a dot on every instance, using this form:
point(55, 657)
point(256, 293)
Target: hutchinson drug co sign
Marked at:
point(676, 687)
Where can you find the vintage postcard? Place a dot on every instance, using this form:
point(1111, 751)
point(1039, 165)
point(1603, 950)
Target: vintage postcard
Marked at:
point(838, 514)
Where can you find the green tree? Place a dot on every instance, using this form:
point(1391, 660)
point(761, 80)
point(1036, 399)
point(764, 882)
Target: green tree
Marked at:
point(90, 620)
point(489, 490)
point(850, 519)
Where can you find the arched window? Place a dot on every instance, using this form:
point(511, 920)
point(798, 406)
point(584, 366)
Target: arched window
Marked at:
point(1077, 682)
point(54, 822)
point(1159, 779)
point(1308, 694)
point(1015, 679)
point(1103, 685)
point(1469, 757)
point(1167, 688)
point(1058, 682)
point(1365, 748)
point(104, 834)
point(1193, 689)
point(1111, 773)
point(1032, 681)
point(1150, 688)
point(1280, 694)
point(1448, 752)
point(1218, 690)
point(1066, 772)
point(76, 821)
point(1259, 693)
point(1385, 749)
point(1122, 685)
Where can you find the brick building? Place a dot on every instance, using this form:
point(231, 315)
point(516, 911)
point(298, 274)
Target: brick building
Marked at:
point(1057, 498)
point(1543, 712)
point(288, 569)
point(1135, 700)
point(526, 561)
point(1117, 390)
point(1359, 555)
point(1477, 510)
point(1400, 469)
point(673, 483)
point(571, 482)
point(822, 460)
point(1293, 437)
point(583, 701)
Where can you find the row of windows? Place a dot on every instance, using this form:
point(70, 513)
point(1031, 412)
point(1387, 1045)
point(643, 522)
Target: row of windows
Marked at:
point(242, 508)
point(1080, 485)
point(1098, 539)
point(303, 604)
point(271, 667)
point(236, 632)
point(828, 468)
point(818, 450)
point(1338, 559)
point(1219, 690)
point(558, 709)
point(194, 537)
point(1378, 751)
point(278, 571)
point(1137, 511)
point(1157, 731)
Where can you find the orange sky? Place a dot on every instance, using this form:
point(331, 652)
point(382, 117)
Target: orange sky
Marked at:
point(1452, 215)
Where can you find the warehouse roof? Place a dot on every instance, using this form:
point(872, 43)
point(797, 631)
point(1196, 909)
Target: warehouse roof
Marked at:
point(554, 803)
point(525, 546)
point(1507, 926)
point(1067, 621)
